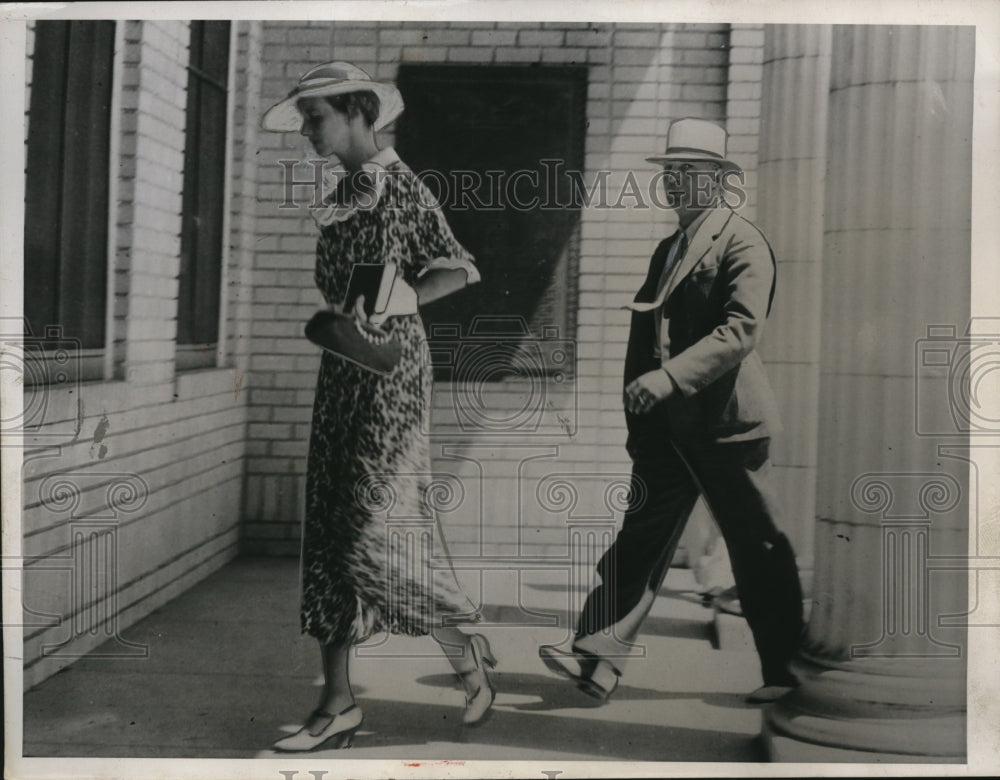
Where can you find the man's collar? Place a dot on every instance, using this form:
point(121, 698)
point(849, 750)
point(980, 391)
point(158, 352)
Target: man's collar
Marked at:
point(692, 229)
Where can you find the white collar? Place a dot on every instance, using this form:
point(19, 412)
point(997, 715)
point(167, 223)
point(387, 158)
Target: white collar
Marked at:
point(332, 174)
point(383, 158)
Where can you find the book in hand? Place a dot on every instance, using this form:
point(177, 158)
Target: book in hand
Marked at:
point(374, 281)
point(341, 334)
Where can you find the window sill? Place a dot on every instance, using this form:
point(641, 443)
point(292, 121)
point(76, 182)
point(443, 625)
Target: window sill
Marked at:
point(195, 357)
point(199, 382)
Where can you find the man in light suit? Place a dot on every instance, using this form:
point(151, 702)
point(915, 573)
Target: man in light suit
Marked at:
point(700, 417)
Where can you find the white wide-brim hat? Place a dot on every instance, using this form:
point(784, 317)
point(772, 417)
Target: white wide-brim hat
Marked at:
point(695, 140)
point(332, 78)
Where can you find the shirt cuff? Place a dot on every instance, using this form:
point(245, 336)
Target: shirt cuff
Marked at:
point(452, 263)
point(673, 379)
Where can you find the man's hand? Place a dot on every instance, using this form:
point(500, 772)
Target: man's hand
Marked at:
point(643, 393)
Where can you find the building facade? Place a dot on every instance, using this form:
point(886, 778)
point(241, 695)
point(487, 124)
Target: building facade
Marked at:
point(179, 437)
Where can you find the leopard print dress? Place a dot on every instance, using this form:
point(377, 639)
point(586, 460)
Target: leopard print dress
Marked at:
point(367, 544)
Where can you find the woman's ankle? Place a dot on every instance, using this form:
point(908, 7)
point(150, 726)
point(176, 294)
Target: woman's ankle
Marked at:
point(457, 648)
point(336, 704)
point(465, 659)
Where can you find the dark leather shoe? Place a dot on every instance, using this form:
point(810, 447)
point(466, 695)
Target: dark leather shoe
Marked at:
point(768, 693)
point(593, 675)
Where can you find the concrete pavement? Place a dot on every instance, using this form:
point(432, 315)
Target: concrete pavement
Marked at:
point(227, 673)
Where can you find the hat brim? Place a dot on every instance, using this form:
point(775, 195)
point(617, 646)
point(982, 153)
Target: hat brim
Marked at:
point(284, 116)
point(720, 161)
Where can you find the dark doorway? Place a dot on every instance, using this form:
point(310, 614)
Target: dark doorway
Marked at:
point(496, 145)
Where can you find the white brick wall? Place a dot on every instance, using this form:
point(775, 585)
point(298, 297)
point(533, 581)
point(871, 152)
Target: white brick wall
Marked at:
point(179, 437)
point(243, 204)
point(641, 77)
point(156, 61)
point(746, 73)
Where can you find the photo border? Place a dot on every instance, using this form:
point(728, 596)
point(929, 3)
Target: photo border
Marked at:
point(983, 687)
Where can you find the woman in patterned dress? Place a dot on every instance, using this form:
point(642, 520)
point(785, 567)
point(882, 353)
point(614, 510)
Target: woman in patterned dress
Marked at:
point(369, 445)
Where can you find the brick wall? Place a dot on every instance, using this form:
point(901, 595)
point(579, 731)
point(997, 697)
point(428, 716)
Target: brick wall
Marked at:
point(640, 78)
point(743, 97)
point(132, 488)
point(243, 201)
point(149, 235)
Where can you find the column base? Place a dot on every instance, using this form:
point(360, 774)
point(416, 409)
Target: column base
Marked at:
point(790, 750)
point(881, 711)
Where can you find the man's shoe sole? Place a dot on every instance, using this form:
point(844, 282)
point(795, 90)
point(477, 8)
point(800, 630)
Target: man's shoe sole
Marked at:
point(552, 660)
point(768, 693)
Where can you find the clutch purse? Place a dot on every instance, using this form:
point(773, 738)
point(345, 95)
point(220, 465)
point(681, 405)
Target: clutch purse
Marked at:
point(364, 345)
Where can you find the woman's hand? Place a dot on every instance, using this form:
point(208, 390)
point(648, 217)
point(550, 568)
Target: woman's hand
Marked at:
point(402, 300)
point(359, 311)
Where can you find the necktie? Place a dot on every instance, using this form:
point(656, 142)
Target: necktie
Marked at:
point(674, 255)
point(677, 250)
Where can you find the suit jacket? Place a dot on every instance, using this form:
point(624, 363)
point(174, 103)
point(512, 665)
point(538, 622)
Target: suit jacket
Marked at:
point(714, 305)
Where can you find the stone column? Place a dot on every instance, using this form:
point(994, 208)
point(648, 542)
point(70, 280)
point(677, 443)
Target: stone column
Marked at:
point(790, 212)
point(882, 678)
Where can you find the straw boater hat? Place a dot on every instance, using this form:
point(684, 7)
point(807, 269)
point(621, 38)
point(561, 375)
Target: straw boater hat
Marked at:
point(695, 140)
point(332, 78)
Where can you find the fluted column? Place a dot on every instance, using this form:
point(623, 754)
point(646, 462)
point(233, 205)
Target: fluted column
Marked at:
point(790, 212)
point(883, 678)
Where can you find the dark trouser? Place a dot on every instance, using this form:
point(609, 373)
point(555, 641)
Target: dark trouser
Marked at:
point(735, 481)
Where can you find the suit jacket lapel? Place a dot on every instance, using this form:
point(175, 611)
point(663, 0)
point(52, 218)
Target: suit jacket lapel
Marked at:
point(647, 292)
point(704, 237)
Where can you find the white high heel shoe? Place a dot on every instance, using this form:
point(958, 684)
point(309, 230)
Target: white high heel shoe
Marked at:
point(323, 728)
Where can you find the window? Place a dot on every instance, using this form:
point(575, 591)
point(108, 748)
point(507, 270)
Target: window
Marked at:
point(204, 196)
point(66, 191)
